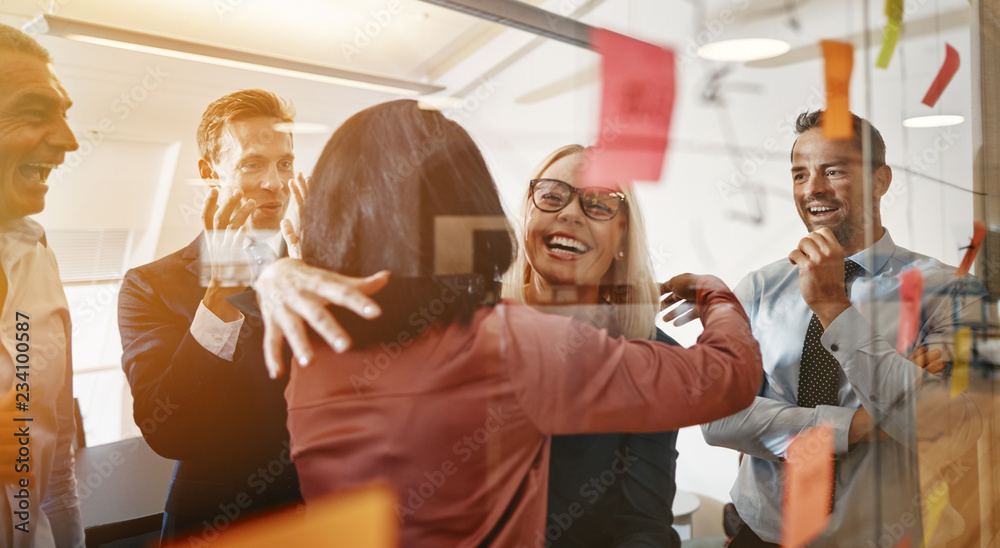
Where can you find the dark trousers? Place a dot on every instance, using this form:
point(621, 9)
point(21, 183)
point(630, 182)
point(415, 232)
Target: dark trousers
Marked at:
point(746, 538)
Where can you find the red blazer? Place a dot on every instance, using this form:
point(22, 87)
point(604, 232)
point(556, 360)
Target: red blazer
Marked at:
point(458, 420)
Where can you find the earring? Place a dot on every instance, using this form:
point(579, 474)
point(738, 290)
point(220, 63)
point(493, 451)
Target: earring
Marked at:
point(621, 254)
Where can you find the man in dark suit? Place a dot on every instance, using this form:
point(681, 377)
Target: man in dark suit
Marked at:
point(194, 363)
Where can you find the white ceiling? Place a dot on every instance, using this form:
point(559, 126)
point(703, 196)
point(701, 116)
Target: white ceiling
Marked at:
point(546, 94)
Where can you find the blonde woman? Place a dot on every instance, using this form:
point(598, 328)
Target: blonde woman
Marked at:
point(583, 253)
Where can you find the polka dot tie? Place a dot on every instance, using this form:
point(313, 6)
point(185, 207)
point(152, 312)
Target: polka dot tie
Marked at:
point(818, 369)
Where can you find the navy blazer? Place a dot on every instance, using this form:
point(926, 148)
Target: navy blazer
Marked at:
point(614, 489)
point(223, 421)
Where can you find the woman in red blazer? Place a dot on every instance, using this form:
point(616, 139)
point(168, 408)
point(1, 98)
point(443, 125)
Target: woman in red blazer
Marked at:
point(449, 395)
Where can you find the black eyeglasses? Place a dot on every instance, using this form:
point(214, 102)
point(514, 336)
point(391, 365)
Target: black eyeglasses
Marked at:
point(552, 195)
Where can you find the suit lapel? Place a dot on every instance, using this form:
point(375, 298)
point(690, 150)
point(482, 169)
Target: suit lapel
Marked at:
point(192, 252)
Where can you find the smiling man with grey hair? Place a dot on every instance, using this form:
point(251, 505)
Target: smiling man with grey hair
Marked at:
point(40, 507)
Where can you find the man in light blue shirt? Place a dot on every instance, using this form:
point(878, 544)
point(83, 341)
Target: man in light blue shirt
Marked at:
point(887, 466)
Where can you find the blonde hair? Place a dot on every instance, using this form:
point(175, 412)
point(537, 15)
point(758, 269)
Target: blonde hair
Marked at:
point(629, 283)
point(239, 105)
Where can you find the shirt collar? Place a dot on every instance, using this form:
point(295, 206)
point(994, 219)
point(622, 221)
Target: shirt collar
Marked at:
point(273, 242)
point(874, 258)
point(17, 238)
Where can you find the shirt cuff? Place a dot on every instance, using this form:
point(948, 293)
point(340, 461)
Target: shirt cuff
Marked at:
point(839, 418)
point(845, 335)
point(215, 335)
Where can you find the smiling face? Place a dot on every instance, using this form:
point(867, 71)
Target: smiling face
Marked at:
point(34, 136)
point(828, 186)
point(257, 160)
point(567, 247)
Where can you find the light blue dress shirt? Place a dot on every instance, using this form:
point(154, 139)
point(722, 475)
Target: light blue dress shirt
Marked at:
point(878, 485)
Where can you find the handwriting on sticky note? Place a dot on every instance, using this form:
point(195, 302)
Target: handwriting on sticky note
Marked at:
point(363, 517)
point(808, 486)
point(960, 365)
point(894, 11)
point(636, 108)
point(839, 62)
point(978, 235)
point(944, 76)
point(911, 289)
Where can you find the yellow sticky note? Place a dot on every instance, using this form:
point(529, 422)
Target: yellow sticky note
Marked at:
point(894, 11)
point(960, 366)
point(936, 503)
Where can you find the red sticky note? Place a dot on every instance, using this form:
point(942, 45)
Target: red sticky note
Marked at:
point(911, 289)
point(808, 487)
point(636, 106)
point(839, 62)
point(978, 235)
point(905, 542)
point(947, 72)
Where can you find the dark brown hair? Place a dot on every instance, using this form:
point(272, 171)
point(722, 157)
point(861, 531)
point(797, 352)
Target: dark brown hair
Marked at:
point(383, 179)
point(810, 120)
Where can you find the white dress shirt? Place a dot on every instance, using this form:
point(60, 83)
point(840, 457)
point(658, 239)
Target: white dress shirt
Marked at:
point(34, 289)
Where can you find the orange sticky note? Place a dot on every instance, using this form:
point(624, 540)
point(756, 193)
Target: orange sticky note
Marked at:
point(905, 542)
point(839, 59)
point(808, 487)
point(978, 235)
point(636, 107)
point(911, 291)
point(362, 518)
point(960, 365)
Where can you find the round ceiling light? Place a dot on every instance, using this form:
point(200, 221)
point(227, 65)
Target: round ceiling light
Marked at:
point(936, 120)
point(744, 49)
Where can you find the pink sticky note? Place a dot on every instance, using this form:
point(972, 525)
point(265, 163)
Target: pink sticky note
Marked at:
point(911, 289)
point(808, 487)
point(978, 235)
point(947, 72)
point(636, 106)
